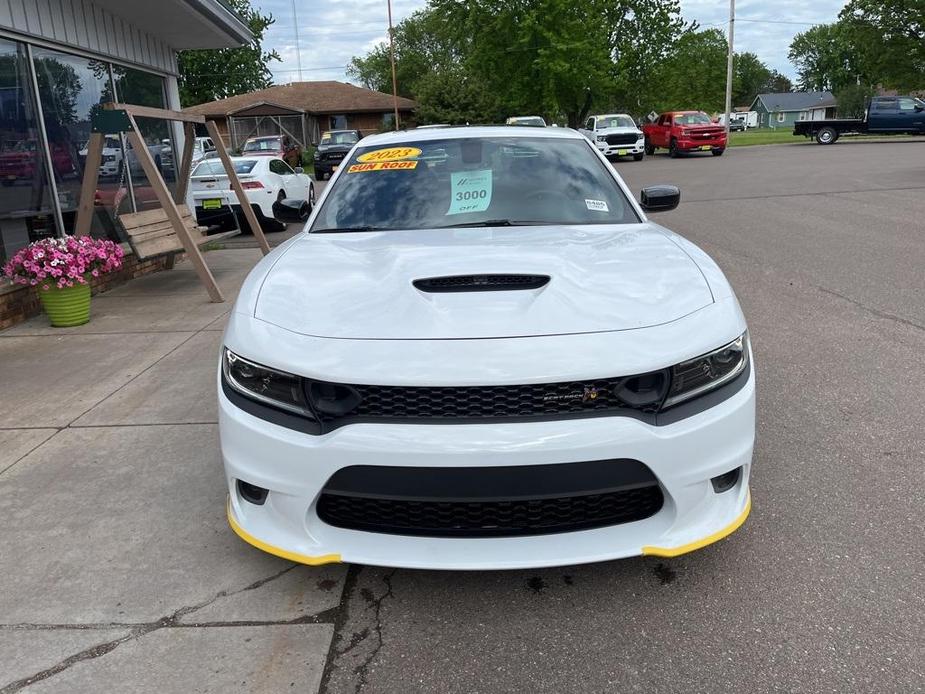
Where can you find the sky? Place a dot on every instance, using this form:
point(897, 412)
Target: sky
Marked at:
point(331, 32)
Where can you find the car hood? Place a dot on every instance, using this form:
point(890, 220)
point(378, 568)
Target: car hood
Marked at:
point(601, 278)
point(619, 131)
point(334, 148)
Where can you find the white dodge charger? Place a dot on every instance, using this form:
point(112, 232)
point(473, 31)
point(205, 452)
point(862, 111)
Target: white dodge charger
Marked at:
point(471, 361)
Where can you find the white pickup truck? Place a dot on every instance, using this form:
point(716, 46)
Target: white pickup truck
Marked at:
point(615, 135)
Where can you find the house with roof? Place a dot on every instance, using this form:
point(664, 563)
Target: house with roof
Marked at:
point(303, 110)
point(783, 109)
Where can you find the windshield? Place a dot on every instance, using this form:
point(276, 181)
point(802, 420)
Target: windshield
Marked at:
point(494, 181)
point(527, 120)
point(271, 144)
point(692, 119)
point(345, 138)
point(214, 167)
point(615, 122)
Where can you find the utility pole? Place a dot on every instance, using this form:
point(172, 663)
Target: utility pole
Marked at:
point(392, 58)
point(298, 46)
point(732, 22)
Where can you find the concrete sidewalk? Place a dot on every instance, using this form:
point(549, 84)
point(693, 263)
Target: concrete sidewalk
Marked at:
point(118, 571)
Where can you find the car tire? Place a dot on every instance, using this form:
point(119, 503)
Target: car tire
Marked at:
point(649, 149)
point(673, 149)
point(638, 157)
point(718, 152)
point(827, 135)
point(269, 224)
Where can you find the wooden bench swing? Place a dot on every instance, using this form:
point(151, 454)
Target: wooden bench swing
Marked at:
point(172, 228)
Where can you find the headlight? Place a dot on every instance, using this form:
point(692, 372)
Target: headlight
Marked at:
point(261, 383)
point(602, 138)
point(707, 372)
point(317, 155)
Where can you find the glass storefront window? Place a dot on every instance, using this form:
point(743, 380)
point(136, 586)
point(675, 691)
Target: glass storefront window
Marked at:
point(145, 89)
point(71, 90)
point(26, 204)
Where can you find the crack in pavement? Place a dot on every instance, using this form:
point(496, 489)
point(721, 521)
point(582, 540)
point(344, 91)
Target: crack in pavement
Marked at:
point(362, 670)
point(171, 621)
point(370, 625)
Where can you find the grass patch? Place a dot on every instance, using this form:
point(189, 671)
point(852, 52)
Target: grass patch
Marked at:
point(765, 136)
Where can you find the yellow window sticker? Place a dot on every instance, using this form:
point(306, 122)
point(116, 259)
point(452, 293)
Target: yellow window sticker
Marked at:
point(470, 191)
point(382, 166)
point(390, 154)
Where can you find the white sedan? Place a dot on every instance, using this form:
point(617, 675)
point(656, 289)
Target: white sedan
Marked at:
point(267, 181)
point(482, 354)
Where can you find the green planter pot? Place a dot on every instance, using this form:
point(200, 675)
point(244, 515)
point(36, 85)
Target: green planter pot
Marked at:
point(68, 306)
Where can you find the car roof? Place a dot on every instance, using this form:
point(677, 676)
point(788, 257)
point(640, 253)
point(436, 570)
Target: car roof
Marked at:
point(613, 115)
point(468, 131)
point(265, 137)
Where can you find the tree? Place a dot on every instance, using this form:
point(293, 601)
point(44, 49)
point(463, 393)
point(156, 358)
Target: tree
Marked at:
point(554, 58)
point(888, 38)
point(852, 100)
point(694, 76)
point(825, 59)
point(750, 77)
point(207, 75)
point(777, 83)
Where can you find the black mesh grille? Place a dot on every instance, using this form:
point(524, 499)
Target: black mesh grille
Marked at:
point(493, 518)
point(622, 139)
point(480, 283)
point(483, 402)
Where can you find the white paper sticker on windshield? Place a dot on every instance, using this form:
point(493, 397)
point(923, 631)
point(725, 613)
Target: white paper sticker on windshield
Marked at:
point(597, 205)
point(470, 191)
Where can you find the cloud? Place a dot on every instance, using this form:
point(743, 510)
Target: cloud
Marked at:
point(331, 33)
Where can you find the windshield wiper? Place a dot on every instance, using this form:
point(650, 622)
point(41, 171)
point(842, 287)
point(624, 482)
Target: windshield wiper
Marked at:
point(335, 230)
point(495, 223)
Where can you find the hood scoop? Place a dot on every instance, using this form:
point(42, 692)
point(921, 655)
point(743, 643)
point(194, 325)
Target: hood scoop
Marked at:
point(480, 283)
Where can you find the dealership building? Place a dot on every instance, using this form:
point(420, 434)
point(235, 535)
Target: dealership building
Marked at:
point(59, 61)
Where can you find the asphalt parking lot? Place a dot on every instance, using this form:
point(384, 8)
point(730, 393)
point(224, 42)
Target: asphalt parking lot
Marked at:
point(822, 589)
point(118, 572)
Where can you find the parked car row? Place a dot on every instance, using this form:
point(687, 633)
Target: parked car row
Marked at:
point(680, 132)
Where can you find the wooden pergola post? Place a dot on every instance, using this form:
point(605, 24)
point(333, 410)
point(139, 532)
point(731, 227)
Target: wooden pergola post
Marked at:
point(121, 118)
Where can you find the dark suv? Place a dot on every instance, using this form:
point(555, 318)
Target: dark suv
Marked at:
point(332, 149)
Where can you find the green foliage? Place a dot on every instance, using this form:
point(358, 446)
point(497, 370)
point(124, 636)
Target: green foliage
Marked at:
point(484, 60)
point(694, 75)
point(750, 77)
point(852, 100)
point(888, 38)
point(207, 75)
point(824, 58)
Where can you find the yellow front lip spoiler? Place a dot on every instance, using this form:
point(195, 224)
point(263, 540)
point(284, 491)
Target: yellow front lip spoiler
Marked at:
point(648, 550)
point(708, 540)
point(316, 560)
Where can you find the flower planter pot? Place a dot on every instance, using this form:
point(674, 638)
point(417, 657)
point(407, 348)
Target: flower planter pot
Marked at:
point(67, 306)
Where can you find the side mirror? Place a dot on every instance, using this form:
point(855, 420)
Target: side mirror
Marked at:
point(919, 109)
point(291, 210)
point(299, 169)
point(660, 198)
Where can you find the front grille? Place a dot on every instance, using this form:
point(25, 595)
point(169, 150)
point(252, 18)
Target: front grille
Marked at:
point(622, 139)
point(373, 402)
point(480, 283)
point(495, 502)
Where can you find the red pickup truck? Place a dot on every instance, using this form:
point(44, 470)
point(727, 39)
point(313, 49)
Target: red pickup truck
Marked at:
point(685, 131)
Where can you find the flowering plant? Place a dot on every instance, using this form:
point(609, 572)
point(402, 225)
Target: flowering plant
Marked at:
point(63, 262)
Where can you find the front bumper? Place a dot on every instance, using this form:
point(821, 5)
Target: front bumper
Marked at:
point(701, 144)
point(607, 150)
point(684, 456)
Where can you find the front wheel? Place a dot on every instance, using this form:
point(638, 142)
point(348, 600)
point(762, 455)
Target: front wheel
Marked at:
point(718, 152)
point(649, 148)
point(827, 135)
point(673, 149)
point(638, 157)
